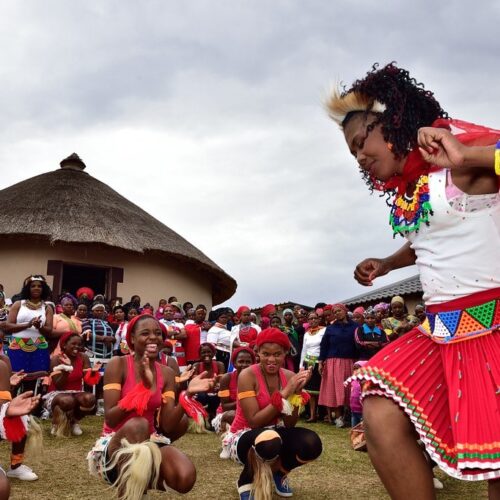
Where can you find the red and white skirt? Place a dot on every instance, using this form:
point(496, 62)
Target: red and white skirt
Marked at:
point(449, 390)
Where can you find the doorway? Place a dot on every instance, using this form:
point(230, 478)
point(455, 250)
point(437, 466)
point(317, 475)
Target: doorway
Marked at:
point(75, 276)
point(70, 276)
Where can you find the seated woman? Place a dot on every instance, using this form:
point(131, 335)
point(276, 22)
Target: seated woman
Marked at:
point(241, 358)
point(213, 368)
point(66, 400)
point(263, 436)
point(137, 388)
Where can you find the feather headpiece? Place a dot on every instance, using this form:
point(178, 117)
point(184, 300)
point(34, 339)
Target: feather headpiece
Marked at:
point(339, 105)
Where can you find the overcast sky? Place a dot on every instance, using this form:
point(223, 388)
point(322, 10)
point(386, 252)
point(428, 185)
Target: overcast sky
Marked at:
point(208, 115)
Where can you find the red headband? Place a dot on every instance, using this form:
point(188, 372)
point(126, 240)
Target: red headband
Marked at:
point(131, 325)
point(242, 349)
point(209, 345)
point(340, 306)
point(241, 310)
point(273, 336)
point(65, 337)
point(85, 290)
point(267, 310)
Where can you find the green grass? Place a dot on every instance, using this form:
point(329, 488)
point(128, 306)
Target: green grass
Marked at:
point(339, 474)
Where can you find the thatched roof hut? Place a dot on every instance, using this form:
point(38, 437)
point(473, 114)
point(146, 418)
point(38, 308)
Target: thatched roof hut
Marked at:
point(68, 207)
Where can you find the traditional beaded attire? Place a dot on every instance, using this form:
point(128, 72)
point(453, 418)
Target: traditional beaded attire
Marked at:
point(445, 373)
point(28, 349)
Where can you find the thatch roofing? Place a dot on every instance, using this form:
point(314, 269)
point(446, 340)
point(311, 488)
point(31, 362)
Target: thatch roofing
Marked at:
point(68, 205)
point(404, 287)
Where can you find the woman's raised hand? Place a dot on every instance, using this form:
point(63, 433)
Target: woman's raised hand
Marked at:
point(369, 269)
point(97, 366)
point(22, 404)
point(17, 377)
point(440, 147)
point(186, 375)
point(200, 384)
point(63, 358)
point(145, 372)
point(296, 382)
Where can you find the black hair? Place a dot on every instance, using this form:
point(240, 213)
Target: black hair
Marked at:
point(118, 307)
point(408, 107)
point(25, 291)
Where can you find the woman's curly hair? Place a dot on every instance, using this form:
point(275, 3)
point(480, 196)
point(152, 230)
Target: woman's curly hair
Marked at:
point(408, 105)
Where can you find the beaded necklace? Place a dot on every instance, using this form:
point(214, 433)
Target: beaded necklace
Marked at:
point(34, 306)
point(408, 213)
point(314, 331)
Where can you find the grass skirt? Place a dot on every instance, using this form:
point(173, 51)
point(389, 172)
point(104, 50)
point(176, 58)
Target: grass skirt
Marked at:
point(451, 393)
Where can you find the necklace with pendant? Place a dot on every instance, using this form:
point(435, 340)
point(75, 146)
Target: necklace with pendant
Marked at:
point(408, 213)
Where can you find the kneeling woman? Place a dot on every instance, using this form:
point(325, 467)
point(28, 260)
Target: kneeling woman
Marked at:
point(263, 436)
point(66, 401)
point(136, 387)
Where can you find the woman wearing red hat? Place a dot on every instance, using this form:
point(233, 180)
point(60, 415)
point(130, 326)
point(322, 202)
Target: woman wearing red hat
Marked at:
point(245, 332)
point(137, 392)
point(66, 401)
point(263, 436)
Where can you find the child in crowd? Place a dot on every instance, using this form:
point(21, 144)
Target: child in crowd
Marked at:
point(355, 399)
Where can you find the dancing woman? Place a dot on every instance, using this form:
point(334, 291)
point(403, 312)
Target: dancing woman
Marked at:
point(442, 377)
point(263, 437)
point(136, 388)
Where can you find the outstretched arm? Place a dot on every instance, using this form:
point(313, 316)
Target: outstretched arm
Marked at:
point(371, 268)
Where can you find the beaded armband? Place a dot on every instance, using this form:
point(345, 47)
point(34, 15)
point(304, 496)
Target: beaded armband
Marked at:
point(497, 158)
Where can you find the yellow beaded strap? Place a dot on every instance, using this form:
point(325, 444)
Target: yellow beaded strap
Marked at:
point(497, 159)
point(6, 395)
point(246, 394)
point(166, 395)
point(110, 387)
point(224, 394)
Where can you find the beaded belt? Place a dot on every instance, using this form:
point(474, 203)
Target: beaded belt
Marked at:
point(461, 323)
point(28, 344)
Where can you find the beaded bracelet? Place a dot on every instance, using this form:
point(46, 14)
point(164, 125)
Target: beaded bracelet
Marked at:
point(497, 158)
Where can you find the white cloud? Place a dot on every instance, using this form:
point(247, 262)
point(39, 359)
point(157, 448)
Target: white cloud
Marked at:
point(208, 116)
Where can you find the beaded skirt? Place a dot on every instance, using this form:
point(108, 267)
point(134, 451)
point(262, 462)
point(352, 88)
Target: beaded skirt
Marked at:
point(450, 392)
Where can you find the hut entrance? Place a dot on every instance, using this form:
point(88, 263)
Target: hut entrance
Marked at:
point(74, 277)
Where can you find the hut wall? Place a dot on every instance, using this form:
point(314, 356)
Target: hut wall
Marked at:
point(150, 276)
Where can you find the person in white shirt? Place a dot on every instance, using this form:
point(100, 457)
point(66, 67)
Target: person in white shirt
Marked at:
point(220, 336)
point(309, 359)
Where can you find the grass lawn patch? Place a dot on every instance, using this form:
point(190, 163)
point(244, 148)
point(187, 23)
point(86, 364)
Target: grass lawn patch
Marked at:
point(339, 474)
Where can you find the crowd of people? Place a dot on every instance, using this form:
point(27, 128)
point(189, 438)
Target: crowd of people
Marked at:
point(425, 384)
point(77, 354)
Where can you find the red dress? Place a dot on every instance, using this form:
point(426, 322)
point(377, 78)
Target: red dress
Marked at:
point(153, 404)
